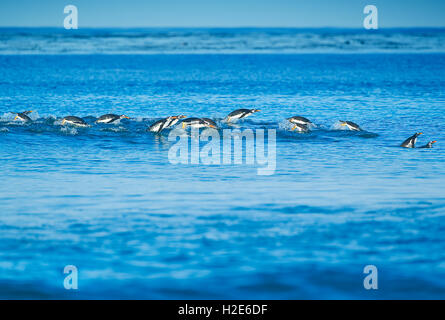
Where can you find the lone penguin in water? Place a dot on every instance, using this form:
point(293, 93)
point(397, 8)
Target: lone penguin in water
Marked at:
point(240, 113)
point(350, 125)
point(110, 118)
point(197, 123)
point(300, 123)
point(429, 144)
point(75, 121)
point(411, 141)
point(165, 123)
point(23, 116)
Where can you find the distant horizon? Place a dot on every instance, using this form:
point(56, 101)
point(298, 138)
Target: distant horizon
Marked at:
point(223, 27)
point(145, 40)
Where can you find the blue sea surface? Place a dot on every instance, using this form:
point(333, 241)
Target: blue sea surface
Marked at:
point(107, 200)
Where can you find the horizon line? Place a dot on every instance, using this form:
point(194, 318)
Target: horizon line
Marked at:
point(222, 27)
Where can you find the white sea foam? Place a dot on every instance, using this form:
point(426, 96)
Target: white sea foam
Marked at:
point(115, 129)
point(69, 131)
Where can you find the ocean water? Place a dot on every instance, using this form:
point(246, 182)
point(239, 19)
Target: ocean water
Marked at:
point(219, 40)
point(107, 199)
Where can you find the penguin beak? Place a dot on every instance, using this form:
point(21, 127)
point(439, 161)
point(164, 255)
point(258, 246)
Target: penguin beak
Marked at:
point(212, 126)
point(257, 110)
point(433, 141)
point(420, 133)
point(295, 127)
point(182, 117)
point(125, 117)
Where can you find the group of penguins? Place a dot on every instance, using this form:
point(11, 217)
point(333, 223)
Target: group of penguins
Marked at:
point(301, 124)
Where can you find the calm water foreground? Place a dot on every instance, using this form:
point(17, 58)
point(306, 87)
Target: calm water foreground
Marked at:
point(107, 200)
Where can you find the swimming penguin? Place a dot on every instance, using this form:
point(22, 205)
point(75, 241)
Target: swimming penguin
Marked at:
point(411, 141)
point(110, 118)
point(240, 113)
point(210, 122)
point(300, 127)
point(429, 144)
point(76, 121)
point(351, 125)
point(196, 123)
point(165, 123)
point(23, 116)
point(299, 120)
